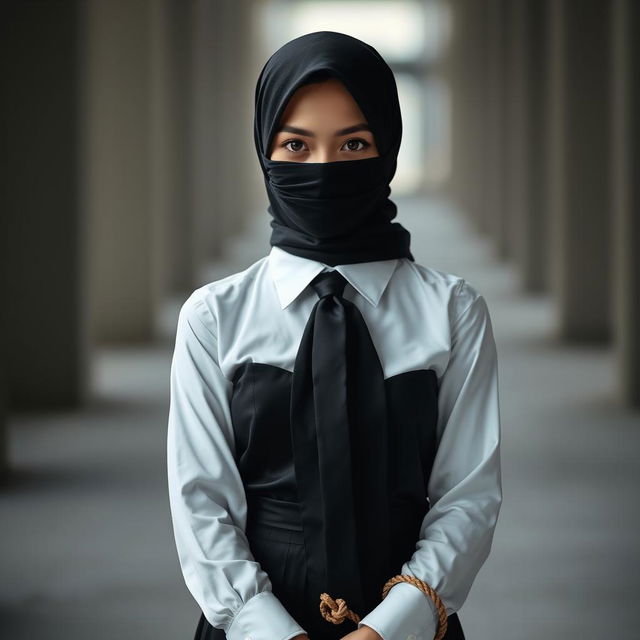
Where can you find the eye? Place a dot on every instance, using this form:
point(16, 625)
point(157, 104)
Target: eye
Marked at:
point(364, 143)
point(295, 145)
point(295, 141)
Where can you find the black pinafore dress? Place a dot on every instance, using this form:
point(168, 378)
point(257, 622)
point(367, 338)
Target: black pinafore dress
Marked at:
point(260, 415)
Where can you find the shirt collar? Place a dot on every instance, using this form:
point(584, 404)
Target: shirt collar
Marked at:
point(291, 274)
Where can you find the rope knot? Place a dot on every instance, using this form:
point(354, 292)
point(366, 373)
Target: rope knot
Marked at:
point(336, 611)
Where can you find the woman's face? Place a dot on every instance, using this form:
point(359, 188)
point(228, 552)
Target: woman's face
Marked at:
point(323, 123)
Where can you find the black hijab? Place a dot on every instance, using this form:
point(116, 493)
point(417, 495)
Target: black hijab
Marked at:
point(334, 212)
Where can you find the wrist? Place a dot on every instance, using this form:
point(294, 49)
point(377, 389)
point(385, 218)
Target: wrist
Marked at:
point(369, 633)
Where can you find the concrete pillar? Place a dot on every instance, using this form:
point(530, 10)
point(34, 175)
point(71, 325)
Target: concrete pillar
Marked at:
point(118, 100)
point(171, 271)
point(206, 159)
point(44, 336)
point(223, 163)
point(626, 195)
point(534, 240)
point(241, 74)
point(579, 170)
point(466, 72)
point(526, 148)
point(495, 138)
point(4, 428)
point(516, 109)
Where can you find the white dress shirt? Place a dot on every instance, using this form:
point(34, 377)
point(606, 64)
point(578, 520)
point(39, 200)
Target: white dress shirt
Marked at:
point(418, 317)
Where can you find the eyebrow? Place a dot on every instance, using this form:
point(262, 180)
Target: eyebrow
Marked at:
point(362, 126)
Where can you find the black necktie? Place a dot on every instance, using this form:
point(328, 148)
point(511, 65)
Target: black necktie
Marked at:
point(339, 437)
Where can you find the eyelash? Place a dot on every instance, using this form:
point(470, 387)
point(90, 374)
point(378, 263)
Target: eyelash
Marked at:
point(365, 144)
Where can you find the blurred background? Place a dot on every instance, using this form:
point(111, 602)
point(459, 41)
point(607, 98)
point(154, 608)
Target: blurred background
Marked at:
point(130, 179)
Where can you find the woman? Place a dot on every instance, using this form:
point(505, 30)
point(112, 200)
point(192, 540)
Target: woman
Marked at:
point(334, 424)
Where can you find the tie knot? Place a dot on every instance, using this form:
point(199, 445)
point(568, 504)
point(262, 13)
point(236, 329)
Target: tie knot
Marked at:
point(329, 283)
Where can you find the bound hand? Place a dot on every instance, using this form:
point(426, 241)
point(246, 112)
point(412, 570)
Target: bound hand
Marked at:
point(363, 633)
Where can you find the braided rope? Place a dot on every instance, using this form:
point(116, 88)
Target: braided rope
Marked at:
point(336, 611)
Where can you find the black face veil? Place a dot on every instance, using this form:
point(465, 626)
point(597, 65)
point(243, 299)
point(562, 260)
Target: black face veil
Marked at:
point(334, 212)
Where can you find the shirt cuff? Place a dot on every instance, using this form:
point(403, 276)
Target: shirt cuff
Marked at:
point(405, 614)
point(263, 617)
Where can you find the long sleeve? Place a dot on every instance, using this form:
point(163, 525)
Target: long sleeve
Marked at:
point(206, 494)
point(465, 486)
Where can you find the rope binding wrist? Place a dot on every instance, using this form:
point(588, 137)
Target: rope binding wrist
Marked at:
point(429, 592)
point(336, 611)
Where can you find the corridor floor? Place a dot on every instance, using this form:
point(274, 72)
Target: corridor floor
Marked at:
point(87, 545)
